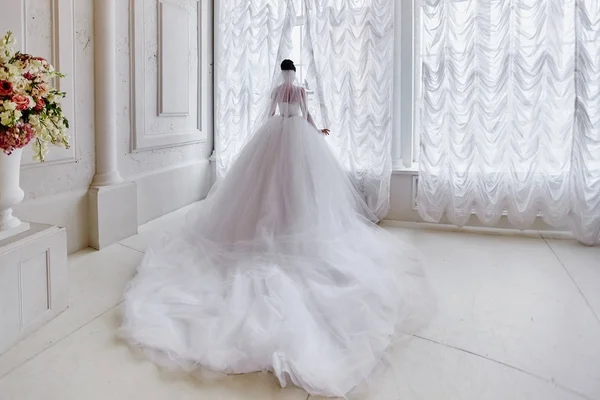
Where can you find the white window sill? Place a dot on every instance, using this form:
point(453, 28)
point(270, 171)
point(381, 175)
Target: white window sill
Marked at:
point(481, 230)
point(399, 169)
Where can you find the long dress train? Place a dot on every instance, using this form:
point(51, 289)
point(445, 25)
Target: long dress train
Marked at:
point(280, 269)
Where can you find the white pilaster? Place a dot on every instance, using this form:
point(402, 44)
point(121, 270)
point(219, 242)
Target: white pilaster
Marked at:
point(107, 172)
point(113, 202)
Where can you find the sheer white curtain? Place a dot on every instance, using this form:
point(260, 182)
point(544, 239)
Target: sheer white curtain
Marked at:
point(250, 38)
point(349, 52)
point(349, 48)
point(510, 112)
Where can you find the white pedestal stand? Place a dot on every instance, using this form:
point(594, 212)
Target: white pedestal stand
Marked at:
point(34, 284)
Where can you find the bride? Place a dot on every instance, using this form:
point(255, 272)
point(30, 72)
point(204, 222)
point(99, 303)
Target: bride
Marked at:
point(280, 269)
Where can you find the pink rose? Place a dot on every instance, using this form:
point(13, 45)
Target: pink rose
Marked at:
point(39, 104)
point(21, 101)
point(40, 90)
point(15, 137)
point(6, 88)
point(29, 76)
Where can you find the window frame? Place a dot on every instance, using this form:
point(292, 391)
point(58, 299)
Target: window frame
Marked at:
point(405, 138)
point(300, 22)
point(406, 83)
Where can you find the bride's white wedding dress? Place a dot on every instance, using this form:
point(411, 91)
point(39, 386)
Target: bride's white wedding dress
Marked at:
point(280, 269)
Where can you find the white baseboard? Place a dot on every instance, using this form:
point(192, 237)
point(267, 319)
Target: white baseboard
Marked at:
point(546, 234)
point(163, 191)
point(159, 192)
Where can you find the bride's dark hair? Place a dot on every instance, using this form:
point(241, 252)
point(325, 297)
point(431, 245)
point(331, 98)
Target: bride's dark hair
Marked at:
point(288, 65)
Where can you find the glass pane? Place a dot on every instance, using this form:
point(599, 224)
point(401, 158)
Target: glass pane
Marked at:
point(297, 50)
point(299, 6)
point(296, 55)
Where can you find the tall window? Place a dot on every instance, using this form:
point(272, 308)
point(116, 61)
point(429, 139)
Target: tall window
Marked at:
point(298, 42)
point(298, 56)
point(407, 51)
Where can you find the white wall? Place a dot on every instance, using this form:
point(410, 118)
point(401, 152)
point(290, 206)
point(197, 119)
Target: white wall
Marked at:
point(56, 191)
point(168, 176)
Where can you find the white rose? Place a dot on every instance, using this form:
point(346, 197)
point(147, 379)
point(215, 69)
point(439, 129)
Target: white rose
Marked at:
point(10, 106)
point(36, 64)
point(12, 70)
point(21, 85)
point(6, 118)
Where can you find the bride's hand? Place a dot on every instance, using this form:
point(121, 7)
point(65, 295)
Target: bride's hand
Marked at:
point(325, 132)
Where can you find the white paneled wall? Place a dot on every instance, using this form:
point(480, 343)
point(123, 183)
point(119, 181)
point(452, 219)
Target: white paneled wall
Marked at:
point(45, 28)
point(170, 65)
point(163, 105)
point(170, 77)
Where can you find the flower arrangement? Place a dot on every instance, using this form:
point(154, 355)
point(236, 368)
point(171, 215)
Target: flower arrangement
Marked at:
point(29, 104)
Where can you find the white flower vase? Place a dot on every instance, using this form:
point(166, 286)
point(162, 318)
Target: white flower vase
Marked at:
point(11, 194)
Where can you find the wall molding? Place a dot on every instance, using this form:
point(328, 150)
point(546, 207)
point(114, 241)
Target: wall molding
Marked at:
point(63, 59)
point(162, 59)
point(176, 123)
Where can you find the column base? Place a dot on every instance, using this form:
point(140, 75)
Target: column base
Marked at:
point(107, 179)
point(113, 213)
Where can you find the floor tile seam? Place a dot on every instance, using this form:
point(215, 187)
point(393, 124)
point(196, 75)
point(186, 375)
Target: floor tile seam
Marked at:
point(69, 334)
point(505, 364)
point(574, 282)
point(131, 248)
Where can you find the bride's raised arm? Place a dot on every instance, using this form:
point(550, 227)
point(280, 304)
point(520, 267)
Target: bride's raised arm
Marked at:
point(306, 113)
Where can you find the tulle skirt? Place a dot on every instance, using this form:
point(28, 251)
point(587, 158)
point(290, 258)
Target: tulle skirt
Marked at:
point(280, 269)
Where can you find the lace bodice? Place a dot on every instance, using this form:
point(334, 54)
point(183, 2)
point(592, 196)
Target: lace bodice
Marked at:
point(288, 100)
point(287, 110)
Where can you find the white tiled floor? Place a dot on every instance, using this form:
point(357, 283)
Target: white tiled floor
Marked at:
point(517, 319)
